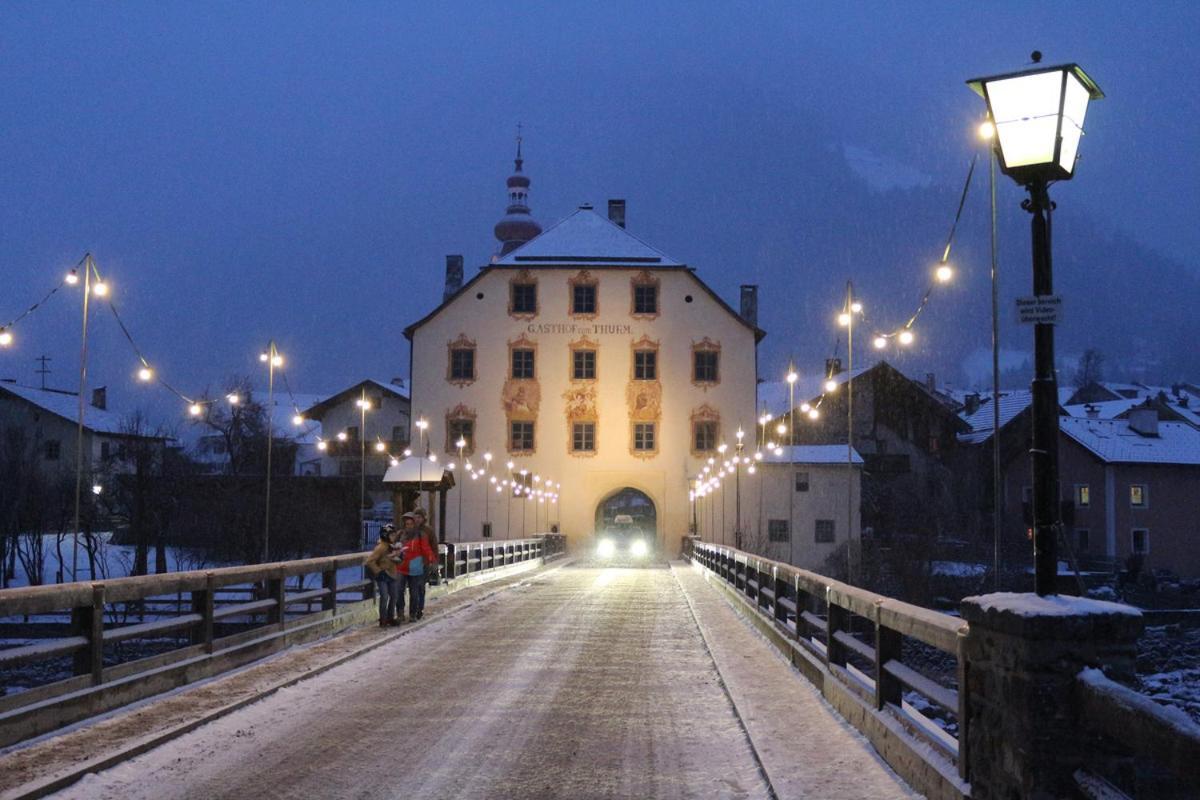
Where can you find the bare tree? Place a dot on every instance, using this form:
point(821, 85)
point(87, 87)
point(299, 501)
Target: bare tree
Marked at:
point(1090, 369)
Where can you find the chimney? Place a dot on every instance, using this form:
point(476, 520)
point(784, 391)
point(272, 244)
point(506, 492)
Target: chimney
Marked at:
point(1093, 411)
point(971, 403)
point(930, 383)
point(454, 276)
point(616, 212)
point(100, 398)
point(398, 382)
point(1143, 420)
point(833, 366)
point(750, 303)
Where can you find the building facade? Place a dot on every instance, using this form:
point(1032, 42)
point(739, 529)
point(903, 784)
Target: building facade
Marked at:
point(583, 357)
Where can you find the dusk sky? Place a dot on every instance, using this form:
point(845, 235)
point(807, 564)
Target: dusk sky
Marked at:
point(294, 171)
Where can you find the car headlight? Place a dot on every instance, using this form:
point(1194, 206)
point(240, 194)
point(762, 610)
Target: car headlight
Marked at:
point(638, 549)
point(606, 549)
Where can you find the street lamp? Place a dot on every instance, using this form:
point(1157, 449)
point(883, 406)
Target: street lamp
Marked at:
point(460, 444)
point(737, 465)
point(364, 405)
point(487, 519)
point(1038, 118)
point(272, 359)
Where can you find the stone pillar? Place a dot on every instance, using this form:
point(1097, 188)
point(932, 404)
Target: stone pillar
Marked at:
point(1022, 656)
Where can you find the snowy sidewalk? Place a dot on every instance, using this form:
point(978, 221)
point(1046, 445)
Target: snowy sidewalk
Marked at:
point(806, 749)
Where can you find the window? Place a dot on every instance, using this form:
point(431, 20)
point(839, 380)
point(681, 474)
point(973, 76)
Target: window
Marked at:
point(352, 433)
point(1083, 495)
point(777, 530)
point(645, 299)
point(583, 299)
point(704, 436)
point(643, 436)
point(801, 481)
point(1082, 537)
point(645, 365)
point(704, 366)
point(105, 450)
point(460, 428)
point(53, 449)
point(1141, 541)
point(583, 364)
point(462, 364)
point(522, 363)
point(399, 433)
point(521, 436)
point(487, 530)
point(583, 437)
point(1137, 495)
point(824, 531)
point(524, 298)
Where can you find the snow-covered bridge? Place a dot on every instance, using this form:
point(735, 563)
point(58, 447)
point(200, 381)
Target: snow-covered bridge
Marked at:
point(566, 680)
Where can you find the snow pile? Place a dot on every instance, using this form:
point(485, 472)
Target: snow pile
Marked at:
point(958, 569)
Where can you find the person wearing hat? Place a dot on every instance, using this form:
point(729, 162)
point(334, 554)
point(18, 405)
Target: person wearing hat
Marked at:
point(383, 569)
point(432, 575)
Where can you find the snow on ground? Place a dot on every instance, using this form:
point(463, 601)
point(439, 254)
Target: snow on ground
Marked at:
point(581, 683)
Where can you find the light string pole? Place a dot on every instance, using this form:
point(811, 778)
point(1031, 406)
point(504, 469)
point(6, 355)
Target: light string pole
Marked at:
point(987, 131)
point(461, 445)
point(1038, 116)
point(852, 309)
point(273, 359)
point(737, 466)
point(487, 520)
point(101, 289)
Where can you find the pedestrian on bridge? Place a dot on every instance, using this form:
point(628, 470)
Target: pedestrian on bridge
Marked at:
point(383, 569)
point(415, 558)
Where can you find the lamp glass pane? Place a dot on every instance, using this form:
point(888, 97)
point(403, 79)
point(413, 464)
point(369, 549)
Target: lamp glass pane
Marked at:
point(1074, 107)
point(1025, 110)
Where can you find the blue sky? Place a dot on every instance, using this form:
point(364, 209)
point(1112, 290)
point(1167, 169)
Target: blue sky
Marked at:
point(299, 171)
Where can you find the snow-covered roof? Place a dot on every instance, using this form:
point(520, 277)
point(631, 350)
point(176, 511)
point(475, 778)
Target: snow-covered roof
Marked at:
point(416, 469)
point(66, 405)
point(774, 394)
point(586, 237)
point(1012, 403)
point(811, 454)
point(1113, 440)
point(322, 404)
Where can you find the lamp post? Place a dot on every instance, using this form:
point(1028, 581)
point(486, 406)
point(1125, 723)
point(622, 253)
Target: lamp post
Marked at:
point(422, 452)
point(721, 448)
point(525, 494)
point(853, 308)
point(460, 444)
point(273, 359)
point(364, 405)
point(791, 378)
point(100, 289)
point(1038, 117)
point(737, 467)
point(487, 463)
point(508, 513)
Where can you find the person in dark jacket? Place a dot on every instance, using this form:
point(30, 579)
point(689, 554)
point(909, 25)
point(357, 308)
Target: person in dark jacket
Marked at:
point(383, 570)
point(415, 558)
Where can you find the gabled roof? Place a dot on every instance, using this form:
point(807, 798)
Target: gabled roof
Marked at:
point(1114, 441)
point(66, 406)
point(586, 237)
point(318, 410)
point(1012, 403)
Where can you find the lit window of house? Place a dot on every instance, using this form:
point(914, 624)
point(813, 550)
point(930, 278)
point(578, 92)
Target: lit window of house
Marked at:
point(1138, 497)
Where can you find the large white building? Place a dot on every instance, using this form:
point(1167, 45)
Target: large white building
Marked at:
point(583, 356)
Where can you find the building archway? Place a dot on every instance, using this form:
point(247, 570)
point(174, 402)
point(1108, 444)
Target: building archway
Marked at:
point(632, 502)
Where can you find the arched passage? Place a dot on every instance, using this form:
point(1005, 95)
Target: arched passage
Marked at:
point(630, 502)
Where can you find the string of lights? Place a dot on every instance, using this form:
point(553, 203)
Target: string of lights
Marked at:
point(70, 279)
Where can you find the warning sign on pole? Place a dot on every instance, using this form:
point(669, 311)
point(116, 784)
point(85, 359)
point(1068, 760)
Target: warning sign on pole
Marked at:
point(1043, 309)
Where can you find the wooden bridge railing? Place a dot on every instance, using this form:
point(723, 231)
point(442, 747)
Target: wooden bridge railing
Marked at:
point(858, 638)
point(203, 637)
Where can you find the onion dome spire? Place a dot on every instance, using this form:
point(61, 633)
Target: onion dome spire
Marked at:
point(517, 226)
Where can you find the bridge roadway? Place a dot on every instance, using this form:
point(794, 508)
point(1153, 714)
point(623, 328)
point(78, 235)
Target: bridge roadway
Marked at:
point(576, 683)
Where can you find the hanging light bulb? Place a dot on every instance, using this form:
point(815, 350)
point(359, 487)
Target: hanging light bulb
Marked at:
point(407, 452)
point(263, 357)
point(781, 429)
point(322, 445)
point(844, 319)
point(433, 457)
point(233, 398)
point(145, 374)
point(792, 377)
point(880, 342)
point(298, 420)
point(277, 360)
point(856, 307)
point(906, 337)
point(342, 436)
point(944, 272)
point(6, 337)
point(831, 385)
point(195, 409)
point(813, 413)
point(72, 278)
point(987, 130)
point(804, 407)
point(100, 288)
point(380, 447)
point(751, 469)
point(395, 462)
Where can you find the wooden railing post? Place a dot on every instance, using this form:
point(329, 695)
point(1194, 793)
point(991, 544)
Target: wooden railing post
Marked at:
point(329, 582)
point(450, 562)
point(88, 621)
point(202, 604)
point(277, 592)
point(964, 707)
point(835, 620)
point(888, 644)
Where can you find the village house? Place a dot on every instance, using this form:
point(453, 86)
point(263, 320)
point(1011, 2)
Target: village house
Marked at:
point(361, 429)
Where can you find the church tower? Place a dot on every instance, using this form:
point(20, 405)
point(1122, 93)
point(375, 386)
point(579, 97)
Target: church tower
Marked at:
point(517, 226)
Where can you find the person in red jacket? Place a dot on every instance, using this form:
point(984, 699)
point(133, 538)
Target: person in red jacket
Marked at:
point(415, 557)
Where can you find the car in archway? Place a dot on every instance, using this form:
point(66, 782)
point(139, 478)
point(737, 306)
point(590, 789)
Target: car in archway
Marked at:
point(623, 540)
